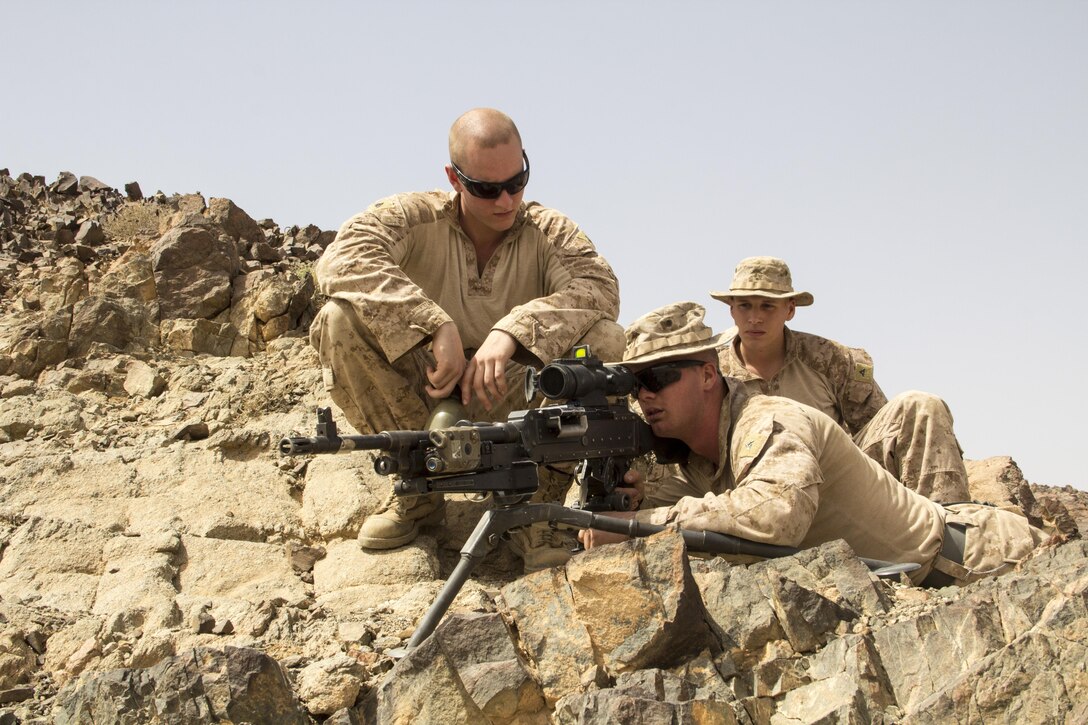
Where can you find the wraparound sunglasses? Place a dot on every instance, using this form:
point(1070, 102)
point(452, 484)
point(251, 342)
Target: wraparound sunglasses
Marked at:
point(661, 376)
point(494, 189)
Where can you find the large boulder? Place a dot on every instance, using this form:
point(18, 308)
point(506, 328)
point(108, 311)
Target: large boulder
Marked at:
point(193, 269)
point(201, 686)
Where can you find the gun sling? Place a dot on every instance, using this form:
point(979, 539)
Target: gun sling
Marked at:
point(948, 566)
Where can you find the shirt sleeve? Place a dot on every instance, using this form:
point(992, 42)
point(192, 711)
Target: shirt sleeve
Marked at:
point(581, 290)
point(777, 492)
point(858, 393)
point(360, 267)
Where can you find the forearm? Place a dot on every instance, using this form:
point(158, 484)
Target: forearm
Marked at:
point(581, 290)
point(359, 267)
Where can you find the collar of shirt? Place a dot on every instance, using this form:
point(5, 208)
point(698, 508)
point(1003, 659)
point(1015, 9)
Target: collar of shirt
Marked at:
point(452, 210)
point(735, 366)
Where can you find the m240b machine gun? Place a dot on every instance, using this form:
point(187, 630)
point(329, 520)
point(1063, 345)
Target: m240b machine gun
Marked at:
point(502, 459)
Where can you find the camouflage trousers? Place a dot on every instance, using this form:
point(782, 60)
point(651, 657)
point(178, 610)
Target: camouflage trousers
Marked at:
point(377, 395)
point(995, 540)
point(911, 437)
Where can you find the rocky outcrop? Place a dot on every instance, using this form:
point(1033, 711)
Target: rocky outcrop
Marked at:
point(86, 269)
point(810, 638)
point(161, 562)
point(202, 686)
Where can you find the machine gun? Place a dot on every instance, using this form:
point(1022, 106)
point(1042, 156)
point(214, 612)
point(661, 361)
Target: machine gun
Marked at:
point(502, 459)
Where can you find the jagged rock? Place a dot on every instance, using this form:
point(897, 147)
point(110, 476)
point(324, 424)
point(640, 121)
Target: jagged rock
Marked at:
point(481, 648)
point(132, 191)
point(989, 657)
point(193, 272)
point(72, 647)
point(89, 183)
point(35, 343)
point(143, 381)
point(330, 684)
point(505, 692)
point(130, 276)
point(265, 253)
point(303, 558)
point(424, 688)
point(152, 649)
point(999, 481)
point(235, 222)
point(569, 621)
point(120, 323)
point(90, 233)
point(18, 660)
point(66, 184)
point(202, 686)
point(805, 615)
point(15, 387)
point(197, 336)
point(1066, 508)
point(470, 665)
point(66, 286)
point(266, 306)
point(188, 204)
point(647, 696)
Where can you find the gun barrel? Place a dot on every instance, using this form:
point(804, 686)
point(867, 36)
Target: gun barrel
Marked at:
point(301, 445)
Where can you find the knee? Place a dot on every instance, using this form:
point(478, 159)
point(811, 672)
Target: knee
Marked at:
point(339, 322)
point(337, 319)
point(921, 404)
point(334, 313)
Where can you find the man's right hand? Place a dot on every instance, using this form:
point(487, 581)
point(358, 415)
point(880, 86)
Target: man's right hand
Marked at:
point(449, 361)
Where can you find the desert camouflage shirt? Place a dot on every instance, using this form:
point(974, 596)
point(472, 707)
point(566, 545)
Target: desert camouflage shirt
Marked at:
point(830, 377)
point(789, 475)
point(408, 267)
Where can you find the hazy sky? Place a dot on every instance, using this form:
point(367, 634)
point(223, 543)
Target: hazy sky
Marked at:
point(922, 166)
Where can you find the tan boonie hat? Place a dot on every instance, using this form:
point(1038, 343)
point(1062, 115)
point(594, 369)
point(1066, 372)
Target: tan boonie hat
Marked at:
point(671, 332)
point(763, 277)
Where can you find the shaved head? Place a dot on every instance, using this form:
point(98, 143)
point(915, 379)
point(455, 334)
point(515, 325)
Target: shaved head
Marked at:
point(480, 128)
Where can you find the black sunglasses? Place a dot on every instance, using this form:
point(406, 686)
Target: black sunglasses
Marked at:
point(494, 189)
point(659, 377)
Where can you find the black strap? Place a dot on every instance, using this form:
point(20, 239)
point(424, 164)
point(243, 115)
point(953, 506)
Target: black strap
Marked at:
point(952, 547)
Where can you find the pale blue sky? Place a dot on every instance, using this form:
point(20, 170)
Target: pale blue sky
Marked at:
point(922, 166)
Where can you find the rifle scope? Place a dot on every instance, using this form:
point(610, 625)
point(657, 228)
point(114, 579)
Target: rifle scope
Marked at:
point(570, 380)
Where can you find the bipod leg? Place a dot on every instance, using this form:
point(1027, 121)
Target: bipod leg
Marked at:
point(483, 539)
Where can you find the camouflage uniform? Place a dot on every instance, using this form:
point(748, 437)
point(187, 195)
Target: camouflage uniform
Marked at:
point(791, 476)
point(911, 436)
point(405, 266)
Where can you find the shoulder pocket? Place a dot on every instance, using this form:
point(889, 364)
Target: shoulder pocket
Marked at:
point(388, 212)
point(751, 445)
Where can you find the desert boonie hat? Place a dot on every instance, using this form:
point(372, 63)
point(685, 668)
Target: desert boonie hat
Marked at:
point(763, 277)
point(670, 332)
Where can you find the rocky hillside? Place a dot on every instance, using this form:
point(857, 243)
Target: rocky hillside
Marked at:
point(161, 562)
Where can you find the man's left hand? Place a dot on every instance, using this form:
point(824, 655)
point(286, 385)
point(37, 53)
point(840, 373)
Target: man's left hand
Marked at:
point(596, 537)
point(485, 374)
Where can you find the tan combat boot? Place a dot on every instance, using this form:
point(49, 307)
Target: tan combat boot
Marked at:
point(542, 547)
point(397, 522)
